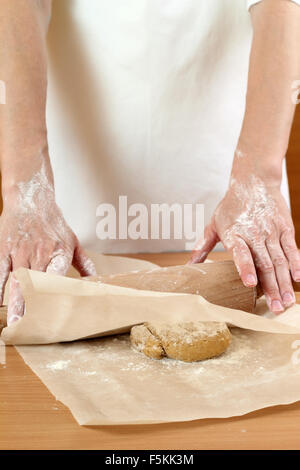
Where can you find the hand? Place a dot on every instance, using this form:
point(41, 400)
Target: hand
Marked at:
point(254, 223)
point(34, 234)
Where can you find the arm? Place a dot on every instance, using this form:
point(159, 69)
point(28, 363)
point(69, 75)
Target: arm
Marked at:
point(253, 220)
point(33, 232)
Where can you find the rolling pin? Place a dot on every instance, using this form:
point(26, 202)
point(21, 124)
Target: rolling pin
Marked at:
point(217, 282)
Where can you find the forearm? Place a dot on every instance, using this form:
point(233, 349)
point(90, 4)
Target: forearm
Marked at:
point(23, 135)
point(33, 232)
point(274, 66)
point(253, 220)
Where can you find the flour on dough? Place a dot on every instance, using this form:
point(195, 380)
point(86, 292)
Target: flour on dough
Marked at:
point(188, 341)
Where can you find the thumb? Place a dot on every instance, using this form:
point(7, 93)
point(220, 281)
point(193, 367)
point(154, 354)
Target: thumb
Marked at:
point(83, 263)
point(204, 246)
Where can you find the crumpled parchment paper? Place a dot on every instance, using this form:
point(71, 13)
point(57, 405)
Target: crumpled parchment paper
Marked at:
point(104, 381)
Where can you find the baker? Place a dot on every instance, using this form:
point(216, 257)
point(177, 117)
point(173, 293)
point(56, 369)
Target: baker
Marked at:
point(161, 101)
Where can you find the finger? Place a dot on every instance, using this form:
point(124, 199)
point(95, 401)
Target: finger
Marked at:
point(203, 247)
point(243, 260)
point(42, 255)
point(282, 272)
point(59, 264)
point(266, 275)
point(40, 265)
point(19, 261)
point(291, 251)
point(16, 304)
point(5, 267)
point(83, 263)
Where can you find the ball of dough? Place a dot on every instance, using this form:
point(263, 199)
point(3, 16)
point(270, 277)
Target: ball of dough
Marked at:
point(187, 341)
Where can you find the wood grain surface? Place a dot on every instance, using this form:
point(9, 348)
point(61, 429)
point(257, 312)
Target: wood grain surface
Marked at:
point(31, 418)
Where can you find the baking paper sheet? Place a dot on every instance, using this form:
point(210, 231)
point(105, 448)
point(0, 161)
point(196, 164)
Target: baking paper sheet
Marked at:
point(104, 381)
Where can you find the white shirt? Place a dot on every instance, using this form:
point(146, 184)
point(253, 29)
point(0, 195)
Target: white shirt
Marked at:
point(145, 100)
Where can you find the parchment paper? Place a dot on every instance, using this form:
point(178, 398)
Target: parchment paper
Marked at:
point(104, 381)
point(65, 309)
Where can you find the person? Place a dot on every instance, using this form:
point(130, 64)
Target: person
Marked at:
point(149, 99)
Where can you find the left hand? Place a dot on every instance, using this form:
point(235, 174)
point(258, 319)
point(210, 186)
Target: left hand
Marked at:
point(35, 235)
point(254, 223)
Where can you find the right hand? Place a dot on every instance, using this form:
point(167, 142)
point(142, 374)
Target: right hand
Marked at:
point(254, 223)
point(34, 234)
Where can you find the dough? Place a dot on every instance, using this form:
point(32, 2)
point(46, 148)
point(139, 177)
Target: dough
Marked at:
point(189, 341)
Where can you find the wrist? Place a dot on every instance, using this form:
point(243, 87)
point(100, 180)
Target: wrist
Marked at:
point(248, 165)
point(33, 185)
point(32, 163)
point(27, 194)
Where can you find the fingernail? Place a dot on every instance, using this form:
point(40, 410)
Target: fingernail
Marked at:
point(288, 298)
point(297, 276)
point(250, 280)
point(12, 319)
point(197, 258)
point(276, 306)
point(193, 260)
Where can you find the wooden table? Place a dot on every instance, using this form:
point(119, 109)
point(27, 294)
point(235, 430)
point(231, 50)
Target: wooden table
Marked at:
point(31, 418)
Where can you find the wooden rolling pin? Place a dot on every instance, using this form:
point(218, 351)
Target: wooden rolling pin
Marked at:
point(217, 282)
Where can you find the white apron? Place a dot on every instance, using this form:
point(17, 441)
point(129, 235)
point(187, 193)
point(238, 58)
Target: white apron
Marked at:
point(145, 100)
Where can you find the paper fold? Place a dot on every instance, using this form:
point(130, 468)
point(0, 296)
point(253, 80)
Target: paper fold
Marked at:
point(104, 382)
point(60, 309)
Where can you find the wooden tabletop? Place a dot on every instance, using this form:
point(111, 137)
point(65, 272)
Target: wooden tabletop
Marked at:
point(31, 418)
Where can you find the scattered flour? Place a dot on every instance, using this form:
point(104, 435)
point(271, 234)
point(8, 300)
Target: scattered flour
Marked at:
point(58, 365)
